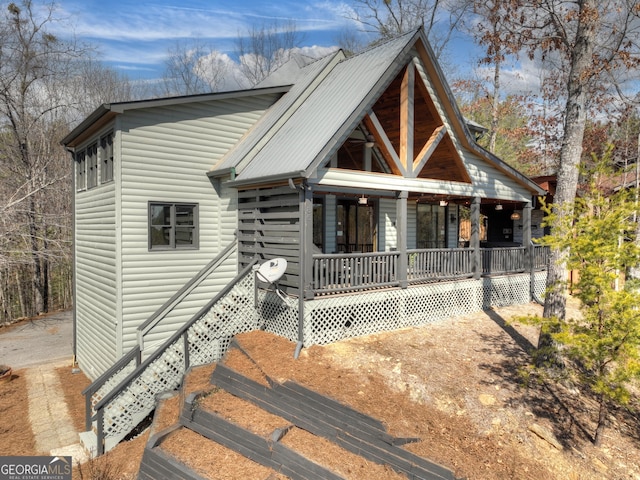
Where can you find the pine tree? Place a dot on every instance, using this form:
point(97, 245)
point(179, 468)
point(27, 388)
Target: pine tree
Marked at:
point(602, 348)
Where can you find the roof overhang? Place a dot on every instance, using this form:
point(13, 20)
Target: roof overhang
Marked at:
point(108, 111)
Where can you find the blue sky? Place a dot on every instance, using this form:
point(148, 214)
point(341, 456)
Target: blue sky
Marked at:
point(135, 35)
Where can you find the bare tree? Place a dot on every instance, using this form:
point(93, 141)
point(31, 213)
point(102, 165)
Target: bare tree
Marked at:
point(594, 41)
point(389, 18)
point(193, 68)
point(34, 65)
point(91, 83)
point(262, 49)
point(490, 27)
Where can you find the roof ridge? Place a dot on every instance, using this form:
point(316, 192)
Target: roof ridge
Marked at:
point(383, 42)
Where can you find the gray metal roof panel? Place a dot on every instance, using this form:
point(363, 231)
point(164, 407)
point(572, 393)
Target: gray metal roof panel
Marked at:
point(327, 111)
point(267, 125)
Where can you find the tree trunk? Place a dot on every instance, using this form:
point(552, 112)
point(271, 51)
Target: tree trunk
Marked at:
point(38, 296)
point(495, 106)
point(602, 421)
point(571, 150)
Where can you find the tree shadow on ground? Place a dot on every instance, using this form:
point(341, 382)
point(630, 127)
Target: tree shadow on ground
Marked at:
point(568, 410)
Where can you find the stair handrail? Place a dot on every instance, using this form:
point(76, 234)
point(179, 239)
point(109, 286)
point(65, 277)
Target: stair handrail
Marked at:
point(136, 352)
point(99, 406)
point(167, 307)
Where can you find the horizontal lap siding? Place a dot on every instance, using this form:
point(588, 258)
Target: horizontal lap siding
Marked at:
point(167, 152)
point(96, 308)
point(387, 221)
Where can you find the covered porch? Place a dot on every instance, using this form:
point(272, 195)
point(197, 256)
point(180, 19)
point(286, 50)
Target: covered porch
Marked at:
point(353, 272)
point(369, 241)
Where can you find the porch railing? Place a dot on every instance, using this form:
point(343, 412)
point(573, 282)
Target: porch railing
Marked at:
point(439, 264)
point(350, 272)
point(496, 261)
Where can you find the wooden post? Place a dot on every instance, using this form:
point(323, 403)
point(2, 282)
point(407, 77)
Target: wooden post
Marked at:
point(526, 234)
point(528, 247)
point(306, 260)
point(401, 232)
point(474, 241)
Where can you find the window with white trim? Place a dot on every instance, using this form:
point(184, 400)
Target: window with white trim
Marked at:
point(173, 226)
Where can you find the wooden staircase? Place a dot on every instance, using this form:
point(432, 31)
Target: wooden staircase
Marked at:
point(243, 420)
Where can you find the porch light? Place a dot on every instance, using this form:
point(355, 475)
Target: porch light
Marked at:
point(515, 216)
point(362, 200)
point(499, 206)
point(371, 141)
point(443, 203)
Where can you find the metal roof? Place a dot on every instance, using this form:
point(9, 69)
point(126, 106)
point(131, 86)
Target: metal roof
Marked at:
point(329, 112)
point(273, 119)
point(107, 111)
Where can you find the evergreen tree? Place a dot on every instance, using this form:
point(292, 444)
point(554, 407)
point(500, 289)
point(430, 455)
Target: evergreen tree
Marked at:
point(602, 348)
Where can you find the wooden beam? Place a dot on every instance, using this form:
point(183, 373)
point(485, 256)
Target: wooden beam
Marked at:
point(384, 144)
point(428, 149)
point(407, 116)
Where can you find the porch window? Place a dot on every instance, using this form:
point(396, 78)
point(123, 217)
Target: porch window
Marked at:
point(432, 226)
point(106, 156)
point(356, 226)
point(173, 226)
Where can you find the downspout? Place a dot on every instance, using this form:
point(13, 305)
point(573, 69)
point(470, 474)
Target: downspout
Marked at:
point(74, 333)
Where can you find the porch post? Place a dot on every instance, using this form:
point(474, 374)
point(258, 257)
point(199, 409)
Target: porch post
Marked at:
point(528, 246)
point(474, 241)
point(306, 262)
point(526, 232)
point(401, 232)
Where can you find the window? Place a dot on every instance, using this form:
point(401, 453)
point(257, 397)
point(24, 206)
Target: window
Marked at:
point(173, 226)
point(431, 226)
point(106, 157)
point(80, 170)
point(92, 166)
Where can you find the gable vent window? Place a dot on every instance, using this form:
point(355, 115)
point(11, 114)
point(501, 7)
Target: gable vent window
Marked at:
point(173, 226)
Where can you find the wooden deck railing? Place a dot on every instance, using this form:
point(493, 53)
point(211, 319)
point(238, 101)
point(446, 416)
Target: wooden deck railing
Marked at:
point(503, 260)
point(439, 264)
point(351, 272)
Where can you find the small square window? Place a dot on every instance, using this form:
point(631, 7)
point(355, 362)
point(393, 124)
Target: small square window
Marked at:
point(173, 226)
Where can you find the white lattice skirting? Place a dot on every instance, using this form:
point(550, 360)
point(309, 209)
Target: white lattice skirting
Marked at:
point(336, 318)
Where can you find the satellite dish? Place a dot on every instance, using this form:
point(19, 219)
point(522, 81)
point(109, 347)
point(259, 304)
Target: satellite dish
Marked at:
point(272, 270)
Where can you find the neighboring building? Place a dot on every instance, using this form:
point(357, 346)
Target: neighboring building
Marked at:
point(338, 156)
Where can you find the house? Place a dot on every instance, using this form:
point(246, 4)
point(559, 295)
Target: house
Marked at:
point(353, 172)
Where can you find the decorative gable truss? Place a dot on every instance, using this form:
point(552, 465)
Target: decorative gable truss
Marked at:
point(410, 134)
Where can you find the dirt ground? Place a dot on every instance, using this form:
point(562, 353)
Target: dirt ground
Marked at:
point(456, 384)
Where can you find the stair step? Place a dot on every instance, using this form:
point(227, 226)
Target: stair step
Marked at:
point(261, 450)
point(332, 422)
point(171, 454)
point(276, 429)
